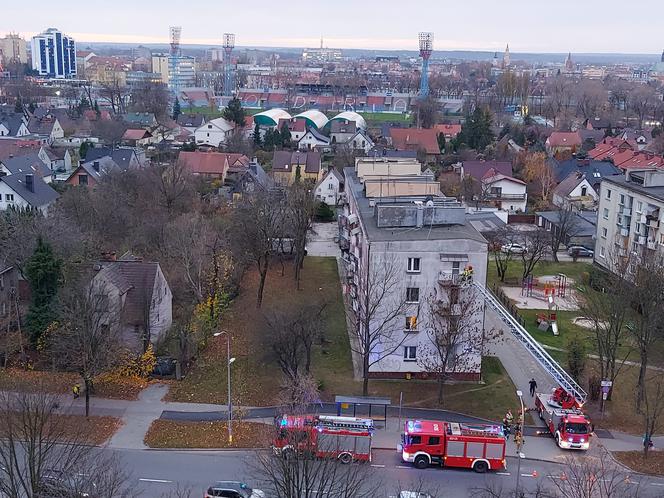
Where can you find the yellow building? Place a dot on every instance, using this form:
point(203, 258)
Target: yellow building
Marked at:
point(287, 165)
point(160, 65)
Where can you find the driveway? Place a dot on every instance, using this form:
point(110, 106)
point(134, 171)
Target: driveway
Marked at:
point(321, 240)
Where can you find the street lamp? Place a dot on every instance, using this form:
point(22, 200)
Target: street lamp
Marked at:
point(229, 362)
point(518, 447)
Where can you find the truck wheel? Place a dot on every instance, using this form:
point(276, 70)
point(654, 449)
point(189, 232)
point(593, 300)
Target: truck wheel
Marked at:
point(541, 414)
point(421, 462)
point(480, 467)
point(346, 458)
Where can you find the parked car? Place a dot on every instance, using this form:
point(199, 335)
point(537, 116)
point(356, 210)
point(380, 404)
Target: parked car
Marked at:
point(580, 251)
point(56, 483)
point(513, 248)
point(232, 489)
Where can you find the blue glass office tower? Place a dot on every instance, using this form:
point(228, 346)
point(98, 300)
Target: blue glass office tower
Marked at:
point(54, 54)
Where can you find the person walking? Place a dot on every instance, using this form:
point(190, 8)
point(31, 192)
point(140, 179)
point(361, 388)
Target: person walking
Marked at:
point(533, 387)
point(76, 390)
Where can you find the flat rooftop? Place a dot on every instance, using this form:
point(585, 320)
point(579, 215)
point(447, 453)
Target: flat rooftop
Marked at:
point(654, 192)
point(425, 232)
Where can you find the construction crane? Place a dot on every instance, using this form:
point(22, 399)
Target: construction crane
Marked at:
point(426, 49)
point(229, 45)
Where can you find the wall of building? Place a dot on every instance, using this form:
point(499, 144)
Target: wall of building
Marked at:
point(386, 188)
point(365, 167)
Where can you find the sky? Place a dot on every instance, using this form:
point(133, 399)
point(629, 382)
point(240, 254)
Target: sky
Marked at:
point(579, 26)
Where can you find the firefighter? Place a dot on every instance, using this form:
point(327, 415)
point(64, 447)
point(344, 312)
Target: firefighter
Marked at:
point(509, 418)
point(76, 390)
point(518, 441)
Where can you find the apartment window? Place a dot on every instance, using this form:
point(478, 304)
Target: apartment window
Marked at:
point(410, 353)
point(455, 267)
point(601, 252)
point(635, 247)
point(82, 179)
point(604, 232)
point(413, 294)
point(330, 186)
point(639, 206)
point(414, 265)
point(608, 193)
point(622, 199)
point(209, 128)
point(606, 213)
point(9, 197)
point(411, 324)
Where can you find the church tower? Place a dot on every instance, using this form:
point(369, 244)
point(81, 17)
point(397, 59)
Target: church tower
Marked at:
point(569, 65)
point(662, 55)
point(506, 57)
point(494, 62)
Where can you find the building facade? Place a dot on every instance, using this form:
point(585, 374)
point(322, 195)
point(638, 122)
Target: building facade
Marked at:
point(13, 49)
point(426, 245)
point(54, 54)
point(629, 214)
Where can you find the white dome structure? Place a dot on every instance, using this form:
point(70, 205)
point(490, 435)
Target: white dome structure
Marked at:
point(360, 123)
point(314, 118)
point(271, 117)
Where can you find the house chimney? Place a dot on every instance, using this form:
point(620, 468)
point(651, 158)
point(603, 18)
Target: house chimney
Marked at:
point(95, 165)
point(30, 182)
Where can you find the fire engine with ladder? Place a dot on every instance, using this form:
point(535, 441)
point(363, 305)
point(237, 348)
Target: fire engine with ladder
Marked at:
point(471, 446)
point(347, 439)
point(562, 414)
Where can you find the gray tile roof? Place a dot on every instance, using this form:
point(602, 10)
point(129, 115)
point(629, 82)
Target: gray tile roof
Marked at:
point(27, 164)
point(42, 195)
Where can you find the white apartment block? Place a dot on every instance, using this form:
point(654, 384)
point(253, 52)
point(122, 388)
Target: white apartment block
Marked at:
point(628, 223)
point(427, 240)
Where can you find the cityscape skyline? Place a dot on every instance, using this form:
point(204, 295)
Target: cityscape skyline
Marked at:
point(474, 28)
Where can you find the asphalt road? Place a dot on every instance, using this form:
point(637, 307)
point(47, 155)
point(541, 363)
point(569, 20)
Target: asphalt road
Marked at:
point(159, 473)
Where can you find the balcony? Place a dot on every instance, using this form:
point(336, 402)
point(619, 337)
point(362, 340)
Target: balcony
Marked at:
point(652, 245)
point(625, 211)
point(505, 197)
point(624, 232)
point(450, 279)
point(641, 240)
point(653, 223)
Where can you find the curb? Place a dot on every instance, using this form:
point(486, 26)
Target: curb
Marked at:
point(628, 469)
point(199, 450)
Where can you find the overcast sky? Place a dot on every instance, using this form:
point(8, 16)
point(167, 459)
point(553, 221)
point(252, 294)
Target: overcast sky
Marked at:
point(527, 25)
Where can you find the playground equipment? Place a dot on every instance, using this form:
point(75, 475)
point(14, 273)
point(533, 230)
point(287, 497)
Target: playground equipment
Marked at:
point(546, 289)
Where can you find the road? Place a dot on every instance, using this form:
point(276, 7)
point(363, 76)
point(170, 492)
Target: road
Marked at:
point(158, 473)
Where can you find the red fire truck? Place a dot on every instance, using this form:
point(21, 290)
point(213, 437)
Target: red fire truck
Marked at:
point(345, 438)
point(564, 418)
point(477, 447)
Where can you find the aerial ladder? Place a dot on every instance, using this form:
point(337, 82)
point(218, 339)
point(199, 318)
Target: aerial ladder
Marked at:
point(534, 348)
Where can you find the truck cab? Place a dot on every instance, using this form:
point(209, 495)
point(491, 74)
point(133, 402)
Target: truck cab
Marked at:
point(564, 419)
point(573, 432)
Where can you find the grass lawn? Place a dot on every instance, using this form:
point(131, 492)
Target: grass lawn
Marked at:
point(15, 379)
point(93, 430)
point(175, 434)
point(515, 270)
point(385, 117)
point(653, 465)
point(256, 376)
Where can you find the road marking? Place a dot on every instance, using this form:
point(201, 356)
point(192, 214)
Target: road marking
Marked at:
point(378, 466)
point(155, 480)
point(503, 473)
point(526, 475)
point(657, 484)
point(403, 467)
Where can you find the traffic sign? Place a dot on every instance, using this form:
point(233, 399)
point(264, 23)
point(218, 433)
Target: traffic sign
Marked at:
point(607, 383)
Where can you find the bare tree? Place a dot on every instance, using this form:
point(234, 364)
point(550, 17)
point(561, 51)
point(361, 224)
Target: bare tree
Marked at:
point(653, 408)
point(380, 302)
point(258, 223)
point(590, 97)
point(454, 330)
point(88, 339)
point(537, 244)
point(642, 101)
point(39, 453)
point(537, 171)
point(175, 185)
point(300, 210)
point(648, 297)
point(501, 258)
point(563, 230)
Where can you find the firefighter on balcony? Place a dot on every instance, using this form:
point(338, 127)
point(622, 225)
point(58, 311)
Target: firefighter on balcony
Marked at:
point(467, 274)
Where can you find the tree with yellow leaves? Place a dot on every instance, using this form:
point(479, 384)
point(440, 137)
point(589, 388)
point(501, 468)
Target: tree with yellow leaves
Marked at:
point(537, 171)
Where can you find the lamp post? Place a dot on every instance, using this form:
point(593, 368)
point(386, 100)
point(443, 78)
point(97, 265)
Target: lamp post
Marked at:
point(518, 447)
point(229, 361)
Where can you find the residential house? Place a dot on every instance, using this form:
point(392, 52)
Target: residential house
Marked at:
point(191, 122)
point(642, 138)
point(416, 139)
point(26, 191)
point(253, 180)
point(125, 157)
point(381, 151)
point(314, 140)
point(46, 129)
point(479, 169)
point(287, 165)
point(426, 243)
point(625, 154)
point(140, 119)
point(598, 123)
point(90, 173)
point(140, 295)
point(297, 128)
point(560, 142)
point(137, 138)
point(17, 147)
point(341, 131)
point(575, 190)
point(13, 125)
point(504, 192)
point(579, 227)
point(593, 170)
point(26, 164)
point(330, 189)
point(449, 131)
point(214, 133)
point(386, 167)
point(212, 165)
point(630, 212)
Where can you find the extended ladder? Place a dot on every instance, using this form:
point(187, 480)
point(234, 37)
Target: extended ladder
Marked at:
point(533, 347)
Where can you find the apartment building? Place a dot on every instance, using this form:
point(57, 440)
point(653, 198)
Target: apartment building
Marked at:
point(630, 209)
point(426, 244)
point(54, 54)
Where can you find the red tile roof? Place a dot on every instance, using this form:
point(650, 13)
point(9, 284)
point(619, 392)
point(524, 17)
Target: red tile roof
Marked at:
point(564, 139)
point(211, 163)
point(415, 139)
point(14, 148)
point(139, 134)
point(298, 125)
point(449, 130)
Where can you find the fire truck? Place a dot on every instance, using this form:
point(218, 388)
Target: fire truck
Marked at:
point(344, 438)
point(471, 446)
point(564, 418)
